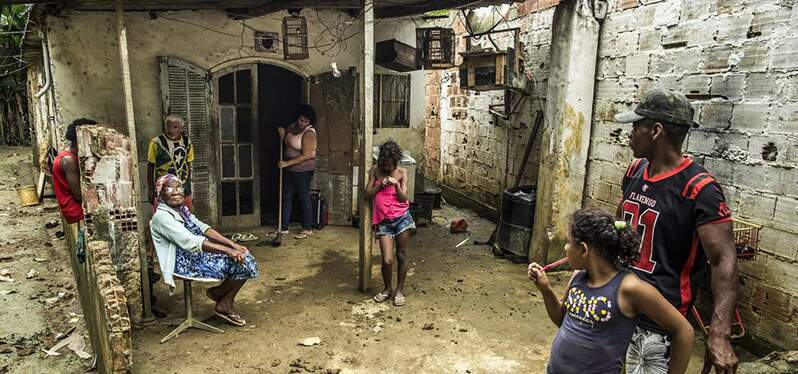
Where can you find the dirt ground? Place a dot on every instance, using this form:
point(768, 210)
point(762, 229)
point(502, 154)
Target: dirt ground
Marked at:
point(467, 311)
point(39, 308)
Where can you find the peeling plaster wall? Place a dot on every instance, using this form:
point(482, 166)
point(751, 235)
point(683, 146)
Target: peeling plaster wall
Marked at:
point(410, 139)
point(86, 71)
point(739, 60)
point(467, 148)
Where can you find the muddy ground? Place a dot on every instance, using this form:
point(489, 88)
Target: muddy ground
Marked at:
point(467, 311)
point(40, 308)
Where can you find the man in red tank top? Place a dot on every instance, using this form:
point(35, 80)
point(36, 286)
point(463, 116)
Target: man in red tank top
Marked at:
point(66, 175)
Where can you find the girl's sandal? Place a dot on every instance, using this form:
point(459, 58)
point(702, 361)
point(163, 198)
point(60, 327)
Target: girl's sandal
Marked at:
point(382, 296)
point(399, 300)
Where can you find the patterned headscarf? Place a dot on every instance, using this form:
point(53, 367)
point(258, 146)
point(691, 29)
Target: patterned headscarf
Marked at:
point(159, 185)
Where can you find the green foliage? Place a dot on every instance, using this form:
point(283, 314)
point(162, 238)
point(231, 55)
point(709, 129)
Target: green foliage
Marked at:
point(14, 127)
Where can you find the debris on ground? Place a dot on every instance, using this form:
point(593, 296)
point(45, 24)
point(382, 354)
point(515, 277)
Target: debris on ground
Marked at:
point(4, 278)
point(39, 259)
point(276, 363)
point(51, 223)
point(458, 225)
point(428, 326)
point(32, 273)
point(309, 342)
point(74, 342)
point(59, 234)
point(6, 292)
point(463, 242)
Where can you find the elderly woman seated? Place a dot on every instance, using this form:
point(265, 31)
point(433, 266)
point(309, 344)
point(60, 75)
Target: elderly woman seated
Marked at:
point(191, 249)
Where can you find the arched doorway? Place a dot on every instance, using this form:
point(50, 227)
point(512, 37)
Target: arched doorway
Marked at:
point(250, 101)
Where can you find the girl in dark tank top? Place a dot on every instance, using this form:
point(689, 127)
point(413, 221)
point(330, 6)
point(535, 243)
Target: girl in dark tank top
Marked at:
point(604, 300)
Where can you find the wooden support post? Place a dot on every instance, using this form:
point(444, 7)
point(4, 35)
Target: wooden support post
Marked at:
point(127, 89)
point(366, 141)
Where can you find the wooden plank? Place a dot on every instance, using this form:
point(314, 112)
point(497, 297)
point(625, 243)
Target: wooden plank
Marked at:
point(366, 141)
point(127, 88)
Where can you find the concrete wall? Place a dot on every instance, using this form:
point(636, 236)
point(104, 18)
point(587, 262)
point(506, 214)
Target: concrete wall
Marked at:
point(86, 68)
point(410, 139)
point(740, 59)
point(467, 148)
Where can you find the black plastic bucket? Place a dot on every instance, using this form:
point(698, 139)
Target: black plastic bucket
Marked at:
point(515, 224)
point(436, 193)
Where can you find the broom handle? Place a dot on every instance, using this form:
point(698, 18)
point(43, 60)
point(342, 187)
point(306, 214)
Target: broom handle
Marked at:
point(280, 198)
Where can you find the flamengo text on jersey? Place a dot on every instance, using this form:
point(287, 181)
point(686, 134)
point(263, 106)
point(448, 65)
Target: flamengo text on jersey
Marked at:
point(634, 196)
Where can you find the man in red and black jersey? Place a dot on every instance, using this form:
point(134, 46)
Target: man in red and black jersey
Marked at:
point(681, 215)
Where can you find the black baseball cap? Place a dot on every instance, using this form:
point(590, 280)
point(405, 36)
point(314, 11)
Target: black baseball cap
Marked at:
point(662, 105)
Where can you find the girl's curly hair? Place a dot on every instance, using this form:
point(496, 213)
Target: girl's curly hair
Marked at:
point(390, 154)
point(616, 243)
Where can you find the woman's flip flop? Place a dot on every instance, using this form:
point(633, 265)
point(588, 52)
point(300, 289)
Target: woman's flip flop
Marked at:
point(399, 300)
point(382, 296)
point(233, 319)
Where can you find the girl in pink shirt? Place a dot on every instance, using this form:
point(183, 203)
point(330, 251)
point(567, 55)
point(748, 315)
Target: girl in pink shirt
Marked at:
point(391, 217)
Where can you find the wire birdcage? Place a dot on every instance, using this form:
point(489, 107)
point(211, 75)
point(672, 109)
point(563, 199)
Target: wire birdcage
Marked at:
point(435, 47)
point(746, 239)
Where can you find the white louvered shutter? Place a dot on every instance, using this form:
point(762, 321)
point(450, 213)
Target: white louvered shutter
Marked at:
point(185, 90)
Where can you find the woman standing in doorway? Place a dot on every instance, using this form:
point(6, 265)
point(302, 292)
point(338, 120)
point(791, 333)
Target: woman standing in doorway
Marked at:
point(391, 217)
point(299, 162)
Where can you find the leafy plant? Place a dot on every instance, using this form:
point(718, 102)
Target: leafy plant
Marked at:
point(14, 127)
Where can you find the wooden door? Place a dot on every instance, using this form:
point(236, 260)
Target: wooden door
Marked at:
point(185, 91)
point(236, 119)
point(335, 104)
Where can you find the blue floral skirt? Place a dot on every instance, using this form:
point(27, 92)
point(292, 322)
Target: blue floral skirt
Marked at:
point(214, 265)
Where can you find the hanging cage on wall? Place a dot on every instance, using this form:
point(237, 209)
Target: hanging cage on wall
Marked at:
point(266, 41)
point(485, 69)
point(435, 47)
point(295, 38)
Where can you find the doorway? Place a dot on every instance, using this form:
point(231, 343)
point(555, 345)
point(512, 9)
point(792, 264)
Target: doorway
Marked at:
point(280, 93)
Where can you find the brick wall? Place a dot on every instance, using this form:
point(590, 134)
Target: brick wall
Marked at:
point(738, 61)
point(469, 149)
point(108, 201)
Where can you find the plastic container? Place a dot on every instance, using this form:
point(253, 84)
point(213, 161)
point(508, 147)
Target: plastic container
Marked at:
point(28, 195)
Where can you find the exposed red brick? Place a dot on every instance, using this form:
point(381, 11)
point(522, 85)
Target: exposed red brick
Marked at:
point(532, 6)
point(628, 4)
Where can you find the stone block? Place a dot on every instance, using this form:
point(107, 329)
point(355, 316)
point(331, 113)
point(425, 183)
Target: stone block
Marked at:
point(637, 65)
point(785, 54)
point(784, 119)
point(769, 19)
point(667, 13)
point(755, 57)
point(696, 85)
point(761, 178)
point(701, 142)
point(695, 10)
point(760, 86)
point(627, 43)
point(782, 243)
point(687, 61)
point(701, 33)
point(611, 67)
point(644, 17)
point(729, 6)
point(721, 169)
point(773, 303)
point(662, 64)
point(717, 58)
point(716, 115)
point(675, 36)
point(650, 39)
point(729, 86)
point(758, 206)
point(786, 212)
point(733, 27)
point(750, 117)
point(778, 333)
